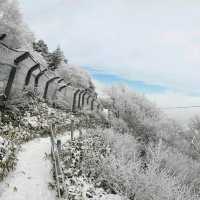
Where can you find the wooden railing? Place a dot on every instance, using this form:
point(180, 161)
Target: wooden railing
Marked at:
point(55, 155)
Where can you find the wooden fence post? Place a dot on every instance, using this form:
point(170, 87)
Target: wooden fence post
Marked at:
point(80, 133)
point(59, 146)
point(72, 129)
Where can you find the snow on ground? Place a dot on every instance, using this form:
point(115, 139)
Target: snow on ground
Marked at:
point(33, 173)
point(111, 197)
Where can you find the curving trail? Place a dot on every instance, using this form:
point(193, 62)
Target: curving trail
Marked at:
point(33, 173)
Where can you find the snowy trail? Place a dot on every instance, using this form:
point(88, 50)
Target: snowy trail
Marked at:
point(33, 173)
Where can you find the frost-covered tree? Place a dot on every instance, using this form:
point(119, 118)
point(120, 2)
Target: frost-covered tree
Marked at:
point(130, 104)
point(53, 59)
point(11, 24)
point(145, 121)
point(140, 115)
point(194, 124)
point(77, 75)
point(56, 58)
point(42, 48)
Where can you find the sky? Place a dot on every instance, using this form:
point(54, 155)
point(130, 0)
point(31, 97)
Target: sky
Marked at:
point(152, 46)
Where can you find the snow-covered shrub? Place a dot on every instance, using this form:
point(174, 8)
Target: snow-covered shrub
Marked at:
point(7, 157)
point(118, 164)
point(194, 124)
point(193, 135)
point(119, 125)
point(92, 119)
point(95, 149)
point(78, 185)
point(40, 116)
point(179, 165)
point(32, 119)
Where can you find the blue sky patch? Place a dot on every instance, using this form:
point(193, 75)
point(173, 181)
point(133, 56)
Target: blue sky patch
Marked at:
point(112, 78)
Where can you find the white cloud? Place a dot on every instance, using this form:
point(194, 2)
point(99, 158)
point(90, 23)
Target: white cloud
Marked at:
point(153, 41)
point(168, 101)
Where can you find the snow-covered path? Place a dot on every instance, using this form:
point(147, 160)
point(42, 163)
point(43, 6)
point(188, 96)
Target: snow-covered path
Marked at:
point(33, 173)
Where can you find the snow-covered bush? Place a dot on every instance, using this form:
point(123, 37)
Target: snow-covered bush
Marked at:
point(179, 165)
point(7, 157)
point(91, 119)
point(118, 164)
point(119, 125)
point(195, 124)
point(33, 120)
point(78, 185)
point(193, 134)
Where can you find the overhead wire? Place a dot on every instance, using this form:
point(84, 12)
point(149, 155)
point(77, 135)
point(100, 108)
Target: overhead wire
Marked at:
point(179, 107)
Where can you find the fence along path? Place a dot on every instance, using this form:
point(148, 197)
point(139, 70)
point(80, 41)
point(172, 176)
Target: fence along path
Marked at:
point(21, 70)
point(59, 176)
point(56, 151)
